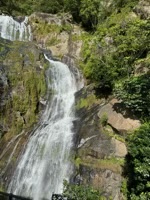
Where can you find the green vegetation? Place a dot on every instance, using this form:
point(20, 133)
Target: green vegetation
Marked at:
point(20, 7)
point(111, 56)
point(117, 44)
point(109, 131)
point(81, 192)
point(87, 102)
point(111, 53)
point(135, 93)
point(22, 85)
point(50, 31)
point(104, 119)
point(112, 163)
point(26, 86)
point(124, 188)
point(42, 29)
point(139, 159)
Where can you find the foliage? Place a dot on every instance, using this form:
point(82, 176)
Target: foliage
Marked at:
point(135, 93)
point(95, 12)
point(124, 189)
point(89, 12)
point(113, 164)
point(120, 4)
point(139, 159)
point(111, 53)
point(80, 192)
point(17, 7)
point(73, 6)
point(118, 40)
point(86, 102)
point(92, 13)
point(99, 70)
point(104, 119)
point(8, 6)
point(50, 6)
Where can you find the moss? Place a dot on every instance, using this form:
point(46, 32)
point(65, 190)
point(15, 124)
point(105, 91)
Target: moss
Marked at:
point(66, 27)
point(76, 38)
point(52, 41)
point(112, 164)
point(26, 85)
point(42, 28)
point(109, 131)
point(124, 188)
point(2, 189)
point(87, 102)
point(21, 64)
point(104, 119)
point(78, 161)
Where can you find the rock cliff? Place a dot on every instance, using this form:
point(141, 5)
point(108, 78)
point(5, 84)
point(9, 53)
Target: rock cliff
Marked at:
point(100, 148)
point(101, 126)
point(57, 33)
point(23, 87)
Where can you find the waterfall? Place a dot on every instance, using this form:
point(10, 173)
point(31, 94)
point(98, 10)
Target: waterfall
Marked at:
point(13, 30)
point(46, 160)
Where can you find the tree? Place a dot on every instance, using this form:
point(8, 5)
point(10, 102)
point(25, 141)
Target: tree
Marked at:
point(8, 6)
point(139, 158)
point(135, 94)
point(93, 12)
point(50, 6)
point(73, 6)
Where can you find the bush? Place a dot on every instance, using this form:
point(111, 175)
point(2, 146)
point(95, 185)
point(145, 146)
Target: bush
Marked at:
point(139, 159)
point(135, 93)
point(80, 192)
point(104, 119)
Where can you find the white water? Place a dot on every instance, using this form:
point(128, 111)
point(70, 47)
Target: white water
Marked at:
point(13, 30)
point(45, 162)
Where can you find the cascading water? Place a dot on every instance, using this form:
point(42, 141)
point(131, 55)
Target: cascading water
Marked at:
point(45, 162)
point(13, 30)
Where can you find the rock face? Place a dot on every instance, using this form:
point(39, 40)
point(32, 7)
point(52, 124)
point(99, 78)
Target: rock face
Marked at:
point(143, 9)
point(120, 148)
point(22, 86)
point(100, 154)
point(57, 34)
point(97, 152)
point(119, 121)
point(103, 179)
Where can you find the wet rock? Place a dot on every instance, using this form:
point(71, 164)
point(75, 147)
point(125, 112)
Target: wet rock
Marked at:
point(22, 86)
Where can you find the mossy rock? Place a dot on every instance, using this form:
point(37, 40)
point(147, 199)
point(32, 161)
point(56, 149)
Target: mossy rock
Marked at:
point(23, 65)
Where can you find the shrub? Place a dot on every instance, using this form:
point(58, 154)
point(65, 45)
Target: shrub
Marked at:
point(139, 160)
point(80, 192)
point(104, 119)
